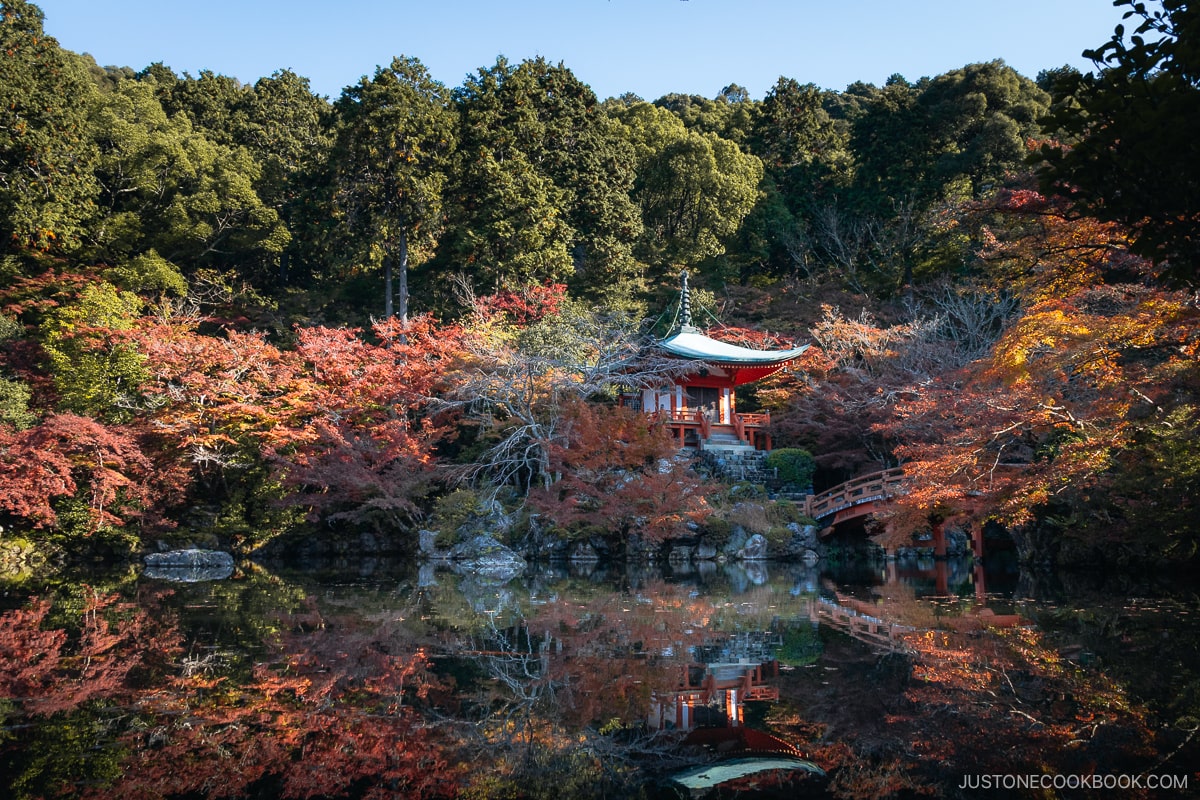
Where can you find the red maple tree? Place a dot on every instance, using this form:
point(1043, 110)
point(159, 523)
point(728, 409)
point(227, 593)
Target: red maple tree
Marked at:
point(618, 474)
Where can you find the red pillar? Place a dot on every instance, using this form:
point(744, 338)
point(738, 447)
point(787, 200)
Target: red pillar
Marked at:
point(939, 539)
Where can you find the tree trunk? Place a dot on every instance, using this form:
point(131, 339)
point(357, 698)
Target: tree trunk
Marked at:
point(403, 269)
point(387, 286)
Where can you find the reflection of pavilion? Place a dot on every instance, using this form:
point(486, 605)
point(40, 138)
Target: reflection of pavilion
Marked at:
point(712, 691)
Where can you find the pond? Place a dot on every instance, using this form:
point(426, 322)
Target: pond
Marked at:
point(373, 679)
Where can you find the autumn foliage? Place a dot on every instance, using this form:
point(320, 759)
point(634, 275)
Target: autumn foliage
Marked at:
point(362, 448)
point(340, 420)
point(619, 475)
point(67, 455)
point(46, 670)
point(329, 717)
point(1098, 359)
point(523, 306)
point(328, 712)
point(1040, 387)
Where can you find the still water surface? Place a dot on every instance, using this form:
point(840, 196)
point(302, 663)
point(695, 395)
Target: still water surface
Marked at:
point(378, 680)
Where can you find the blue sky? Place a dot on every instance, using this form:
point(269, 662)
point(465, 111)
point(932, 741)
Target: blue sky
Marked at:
point(649, 47)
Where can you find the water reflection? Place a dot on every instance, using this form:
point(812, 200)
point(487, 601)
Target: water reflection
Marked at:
point(712, 690)
point(605, 682)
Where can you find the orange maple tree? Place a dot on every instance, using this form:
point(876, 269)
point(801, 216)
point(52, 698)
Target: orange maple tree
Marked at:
point(618, 475)
point(1099, 356)
point(342, 417)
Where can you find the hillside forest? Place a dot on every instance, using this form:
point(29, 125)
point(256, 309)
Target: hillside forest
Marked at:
point(231, 313)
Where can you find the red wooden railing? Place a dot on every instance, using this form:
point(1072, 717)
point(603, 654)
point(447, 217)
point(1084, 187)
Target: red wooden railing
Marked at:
point(745, 426)
point(857, 491)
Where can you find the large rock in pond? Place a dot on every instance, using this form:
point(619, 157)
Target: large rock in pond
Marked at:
point(755, 548)
point(427, 546)
point(189, 566)
point(736, 543)
point(803, 545)
point(483, 555)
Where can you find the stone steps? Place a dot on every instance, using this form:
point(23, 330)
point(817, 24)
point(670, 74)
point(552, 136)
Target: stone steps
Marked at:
point(737, 462)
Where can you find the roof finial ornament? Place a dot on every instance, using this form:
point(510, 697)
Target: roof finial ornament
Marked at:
point(685, 304)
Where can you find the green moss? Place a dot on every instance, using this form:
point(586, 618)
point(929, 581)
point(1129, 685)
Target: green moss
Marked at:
point(778, 536)
point(451, 512)
point(717, 531)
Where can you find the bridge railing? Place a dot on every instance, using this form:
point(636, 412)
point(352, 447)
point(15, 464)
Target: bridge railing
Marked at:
point(863, 489)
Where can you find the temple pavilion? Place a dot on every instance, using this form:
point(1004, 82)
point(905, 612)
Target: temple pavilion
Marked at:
point(701, 405)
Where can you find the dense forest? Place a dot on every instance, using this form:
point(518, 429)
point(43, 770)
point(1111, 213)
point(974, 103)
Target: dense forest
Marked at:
point(231, 312)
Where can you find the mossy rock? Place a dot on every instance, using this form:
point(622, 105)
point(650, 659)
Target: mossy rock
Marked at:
point(452, 512)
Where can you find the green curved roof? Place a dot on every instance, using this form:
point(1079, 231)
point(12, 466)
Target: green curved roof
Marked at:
point(710, 775)
point(690, 343)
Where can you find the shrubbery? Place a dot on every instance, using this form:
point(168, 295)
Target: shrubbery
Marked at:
point(793, 465)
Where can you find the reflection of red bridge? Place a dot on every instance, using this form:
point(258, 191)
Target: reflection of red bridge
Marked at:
point(714, 693)
point(853, 617)
point(858, 619)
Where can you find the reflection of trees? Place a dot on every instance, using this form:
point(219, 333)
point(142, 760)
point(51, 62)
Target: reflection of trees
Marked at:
point(561, 691)
point(328, 711)
point(1137, 642)
point(364, 691)
point(964, 702)
point(46, 670)
point(62, 670)
point(518, 663)
point(1010, 686)
point(229, 623)
point(565, 685)
point(114, 705)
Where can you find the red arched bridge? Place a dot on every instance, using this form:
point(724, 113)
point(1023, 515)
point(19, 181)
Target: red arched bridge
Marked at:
point(857, 497)
point(866, 494)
